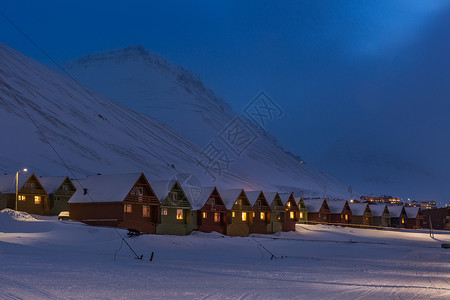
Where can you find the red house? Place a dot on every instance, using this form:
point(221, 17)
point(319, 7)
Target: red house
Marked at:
point(292, 211)
point(340, 212)
point(120, 200)
point(414, 217)
point(261, 211)
point(318, 211)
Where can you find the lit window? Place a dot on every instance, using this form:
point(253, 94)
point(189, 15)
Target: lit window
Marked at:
point(279, 218)
point(403, 221)
point(233, 214)
point(346, 217)
point(204, 215)
point(127, 208)
point(244, 216)
point(21, 198)
point(37, 199)
point(253, 214)
point(291, 214)
point(146, 211)
point(301, 215)
point(216, 217)
point(179, 214)
point(262, 216)
point(289, 204)
point(164, 211)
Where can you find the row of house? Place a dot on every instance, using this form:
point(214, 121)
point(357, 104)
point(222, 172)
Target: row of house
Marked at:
point(166, 207)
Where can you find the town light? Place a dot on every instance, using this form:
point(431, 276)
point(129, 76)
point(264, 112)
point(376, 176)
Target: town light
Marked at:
point(17, 183)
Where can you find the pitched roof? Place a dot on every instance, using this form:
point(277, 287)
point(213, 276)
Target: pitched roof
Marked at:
point(313, 205)
point(285, 197)
point(336, 206)
point(253, 196)
point(358, 208)
point(8, 182)
point(162, 188)
point(105, 188)
point(229, 196)
point(395, 210)
point(51, 184)
point(377, 209)
point(197, 196)
point(412, 212)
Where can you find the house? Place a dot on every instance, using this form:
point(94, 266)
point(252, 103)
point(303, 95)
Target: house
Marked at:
point(118, 200)
point(414, 217)
point(59, 189)
point(340, 212)
point(211, 211)
point(318, 211)
point(239, 211)
point(31, 197)
point(437, 218)
point(303, 212)
point(380, 215)
point(278, 213)
point(361, 214)
point(261, 211)
point(177, 216)
point(398, 216)
point(292, 211)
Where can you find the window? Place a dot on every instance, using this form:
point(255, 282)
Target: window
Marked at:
point(301, 215)
point(212, 201)
point(233, 214)
point(37, 199)
point(164, 211)
point(244, 216)
point(289, 204)
point(21, 198)
point(174, 196)
point(346, 217)
point(291, 214)
point(217, 217)
point(179, 214)
point(57, 198)
point(127, 208)
point(146, 211)
point(65, 187)
point(204, 215)
point(139, 190)
point(262, 216)
point(403, 221)
point(253, 214)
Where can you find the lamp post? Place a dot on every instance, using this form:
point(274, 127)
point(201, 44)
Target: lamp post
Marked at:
point(17, 184)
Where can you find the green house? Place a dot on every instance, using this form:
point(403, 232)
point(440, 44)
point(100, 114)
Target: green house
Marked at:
point(177, 215)
point(278, 215)
point(60, 189)
point(303, 215)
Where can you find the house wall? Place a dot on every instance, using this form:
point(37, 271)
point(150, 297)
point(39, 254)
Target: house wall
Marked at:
point(259, 225)
point(28, 205)
point(208, 224)
point(414, 223)
point(136, 220)
point(3, 202)
point(59, 200)
point(102, 214)
point(396, 222)
point(277, 217)
point(440, 218)
point(236, 226)
point(171, 225)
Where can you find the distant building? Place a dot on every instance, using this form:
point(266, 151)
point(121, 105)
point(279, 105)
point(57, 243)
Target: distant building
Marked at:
point(422, 204)
point(439, 217)
point(384, 199)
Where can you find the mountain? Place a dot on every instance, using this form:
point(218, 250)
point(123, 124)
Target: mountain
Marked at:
point(94, 134)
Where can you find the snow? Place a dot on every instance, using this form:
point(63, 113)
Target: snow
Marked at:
point(284, 197)
point(395, 210)
point(358, 208)
point(197, 196)
point(49, 259)
point(51, 183)
point(162, 188)
point(8, 182)
point(313, 205)
point(377, 209)
point(229, 196)
point(252, 196)
point(336, 206)
point(411, 212)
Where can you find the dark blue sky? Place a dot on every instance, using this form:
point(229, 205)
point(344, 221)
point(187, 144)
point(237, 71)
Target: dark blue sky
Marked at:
point(372, 74)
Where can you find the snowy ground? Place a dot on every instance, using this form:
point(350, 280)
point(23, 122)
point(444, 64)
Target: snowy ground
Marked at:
point(47, 259)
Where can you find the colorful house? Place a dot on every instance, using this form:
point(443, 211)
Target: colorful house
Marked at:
point(361, 214)
point(340, 212)
point(303, 212)
point(177, 215)
point(239, 211)
point(261, 211)
point(380, 215)
point(292, 211)
point(119, 200)
point(31, 197)
point(318, 211)
point(211, 211)
point(278, 213)
point(398, 216)
point(414, 217)
point(60, 189)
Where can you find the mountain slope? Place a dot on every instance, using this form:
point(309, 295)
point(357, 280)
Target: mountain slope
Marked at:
point(95, 134)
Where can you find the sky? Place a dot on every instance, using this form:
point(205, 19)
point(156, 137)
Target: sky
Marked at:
point(364, 85)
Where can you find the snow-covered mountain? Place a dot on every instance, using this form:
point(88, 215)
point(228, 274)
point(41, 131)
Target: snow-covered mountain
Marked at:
point(94, 134)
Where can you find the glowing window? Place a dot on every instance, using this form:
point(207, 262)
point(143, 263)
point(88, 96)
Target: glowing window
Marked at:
point(233, 214)
point(289, 204)
point(244, 216)
point(146, 211)
point(216, 217)
point(204, 215)
point(403, 221)
point(301, 215)
point(127, 208)
point(179, 214)
point(37, 199)
point(253, 214)
point(21, 198)
point(291, 214)
point(164, 211)
point(262, 216)
point(346, 217)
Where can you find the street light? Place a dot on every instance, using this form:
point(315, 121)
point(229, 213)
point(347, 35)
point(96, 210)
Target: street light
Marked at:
point(17, 184)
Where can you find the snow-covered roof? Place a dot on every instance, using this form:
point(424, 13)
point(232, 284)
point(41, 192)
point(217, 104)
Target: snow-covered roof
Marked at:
point(358, 209)
point(336, 206)
point(395, 210)
point(51, 184)
point(253, 196)
point(229, 196)
point(377, 209)
point(285, 197)
point(197, 196)
point(412, 212)
point(162, 188)
point(8, 182)
point(270, 196)
point(313, 205)
point(105, 188)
